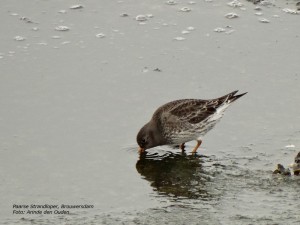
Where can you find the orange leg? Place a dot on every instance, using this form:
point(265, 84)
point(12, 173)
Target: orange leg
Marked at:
point(197, 146)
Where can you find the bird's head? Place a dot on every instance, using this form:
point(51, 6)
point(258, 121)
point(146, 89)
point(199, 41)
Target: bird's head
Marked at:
point(148, 136)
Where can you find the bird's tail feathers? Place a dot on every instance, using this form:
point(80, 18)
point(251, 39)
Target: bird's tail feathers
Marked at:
point(231, 97)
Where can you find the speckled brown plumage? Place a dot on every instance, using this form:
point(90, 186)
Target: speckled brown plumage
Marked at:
point(183, 120)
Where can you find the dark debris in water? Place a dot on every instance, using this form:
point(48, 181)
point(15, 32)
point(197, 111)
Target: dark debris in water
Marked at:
point(281, 170)
point(157, 70)
point(286, 171)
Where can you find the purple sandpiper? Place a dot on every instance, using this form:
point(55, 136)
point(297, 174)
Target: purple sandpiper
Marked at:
point(181, 121)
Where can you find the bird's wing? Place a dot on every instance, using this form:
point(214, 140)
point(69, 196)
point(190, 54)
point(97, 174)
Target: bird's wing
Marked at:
point(194, 111)
point(186, 113)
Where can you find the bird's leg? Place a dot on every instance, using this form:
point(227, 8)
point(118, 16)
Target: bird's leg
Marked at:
point(197, 146)
point(182, 146)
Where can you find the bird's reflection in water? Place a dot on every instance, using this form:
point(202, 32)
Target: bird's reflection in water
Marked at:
point(177, 175)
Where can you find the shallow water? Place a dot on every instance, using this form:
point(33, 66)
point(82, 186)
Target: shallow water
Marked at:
point(73, 101)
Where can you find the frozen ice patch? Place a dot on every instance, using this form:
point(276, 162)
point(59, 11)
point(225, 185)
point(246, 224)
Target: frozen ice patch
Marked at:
point(100, 35)
point(19, 38)
point(62, 28)
point(76, 7)
point(235, 3)
point(141, 18)
point(291, 11)
point(171, 2)
point(290, 146)
point(185, 32)
point(219, 30)
point(264, 20)
point(231, 15)
point(185, 9)
point(179, 38)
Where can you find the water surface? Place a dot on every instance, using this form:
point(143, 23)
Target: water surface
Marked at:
point(73, 101)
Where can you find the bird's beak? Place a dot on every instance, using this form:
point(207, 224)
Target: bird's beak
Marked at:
point(141, 150)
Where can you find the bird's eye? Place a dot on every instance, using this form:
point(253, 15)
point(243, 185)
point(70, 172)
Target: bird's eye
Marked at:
point(143, 141)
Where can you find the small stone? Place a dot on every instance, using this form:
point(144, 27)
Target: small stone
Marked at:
point(124, 15)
